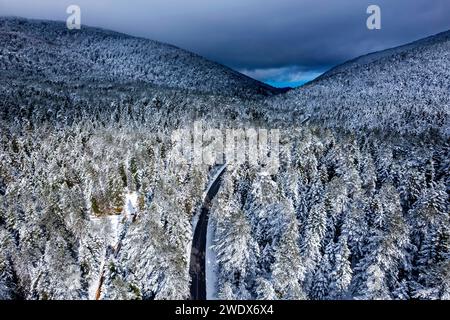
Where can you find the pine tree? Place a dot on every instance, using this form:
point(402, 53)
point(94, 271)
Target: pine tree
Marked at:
point(378, 269)
point(341, 273)
point(288, 270)
point(314, 233)
point(226, 292)
point(265, 290)
point(320, 286)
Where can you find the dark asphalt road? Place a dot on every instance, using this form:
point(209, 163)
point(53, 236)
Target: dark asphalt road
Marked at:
point(197, 264)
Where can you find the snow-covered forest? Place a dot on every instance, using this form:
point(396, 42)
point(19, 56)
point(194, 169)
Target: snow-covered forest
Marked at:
point(351, 219)
point(94, 204)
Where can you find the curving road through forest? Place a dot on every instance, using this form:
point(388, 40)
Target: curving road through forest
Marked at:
point(197, 269)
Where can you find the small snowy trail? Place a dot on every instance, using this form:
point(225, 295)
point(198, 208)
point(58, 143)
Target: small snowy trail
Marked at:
point(202, 264)
point(119, 227)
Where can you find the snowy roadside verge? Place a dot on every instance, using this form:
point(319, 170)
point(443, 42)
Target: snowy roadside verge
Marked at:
point(211, 264)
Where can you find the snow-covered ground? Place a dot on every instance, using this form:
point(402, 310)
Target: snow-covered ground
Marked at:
point(131, 203)
point(115, 225)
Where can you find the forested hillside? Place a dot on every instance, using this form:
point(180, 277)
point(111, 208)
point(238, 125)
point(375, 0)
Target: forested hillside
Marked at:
point(50, 53)
point(404, 90)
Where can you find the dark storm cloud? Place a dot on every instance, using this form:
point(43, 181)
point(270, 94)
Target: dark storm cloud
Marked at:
point(268, 39)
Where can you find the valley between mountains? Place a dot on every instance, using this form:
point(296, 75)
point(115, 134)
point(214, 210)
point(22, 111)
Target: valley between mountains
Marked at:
point(95, 205)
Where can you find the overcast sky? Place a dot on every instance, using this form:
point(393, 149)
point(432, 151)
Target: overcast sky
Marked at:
point(283, 42)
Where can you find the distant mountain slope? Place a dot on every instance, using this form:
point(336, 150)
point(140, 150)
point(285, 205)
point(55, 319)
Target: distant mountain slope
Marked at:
point(50, 51)
point(404, 89)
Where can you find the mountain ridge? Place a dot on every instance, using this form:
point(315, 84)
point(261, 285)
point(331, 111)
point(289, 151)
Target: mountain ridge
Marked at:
point(402, 90)
point(365, 59)
point(139, 58)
